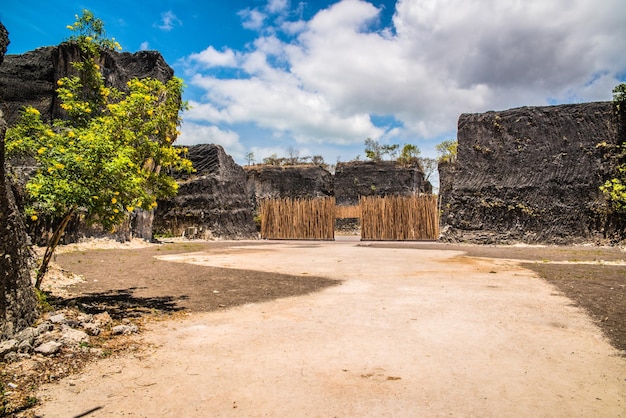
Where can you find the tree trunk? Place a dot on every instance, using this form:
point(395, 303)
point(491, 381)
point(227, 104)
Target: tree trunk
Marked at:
point(52, 245)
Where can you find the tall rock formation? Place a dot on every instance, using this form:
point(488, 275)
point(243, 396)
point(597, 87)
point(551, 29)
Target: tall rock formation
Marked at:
point(377, 178)
point(531, 175)
point(18, 305)
point(211, 203)
point(295, 182)
point(30, 79)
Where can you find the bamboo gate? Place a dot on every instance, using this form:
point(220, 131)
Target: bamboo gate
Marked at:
point(298, 218)
point(399, 218)
point(394, 218)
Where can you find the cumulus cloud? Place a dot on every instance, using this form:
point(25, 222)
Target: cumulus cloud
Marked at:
point(144, 46)
point(323, 80)
point(197, 133)
point(210, 57)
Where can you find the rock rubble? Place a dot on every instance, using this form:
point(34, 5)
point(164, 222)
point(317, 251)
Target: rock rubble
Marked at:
point(61, 330)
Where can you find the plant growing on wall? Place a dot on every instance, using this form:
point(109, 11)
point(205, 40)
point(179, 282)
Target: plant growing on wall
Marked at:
point(615, 189)
point(108, 157)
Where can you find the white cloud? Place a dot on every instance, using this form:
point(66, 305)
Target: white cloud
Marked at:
point(144, 46)
point(210, 57)
point(277, 6)
point(318, 81)
point(169, 21)
point(252, 19)
point(195, 133)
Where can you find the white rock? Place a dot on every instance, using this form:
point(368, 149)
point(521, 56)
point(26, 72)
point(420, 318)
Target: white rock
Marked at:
point(8, 346)
point(57, 319)
point(50, 347)
point(124, 329)
point(72, 336)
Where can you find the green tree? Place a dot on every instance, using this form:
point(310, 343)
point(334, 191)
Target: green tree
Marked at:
point(447, 150)
point(614, 189)
point(111, 153)
point(409, 155)
point(373, 150)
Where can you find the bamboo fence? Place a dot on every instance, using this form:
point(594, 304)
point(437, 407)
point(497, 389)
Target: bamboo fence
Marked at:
point(345, 212)
point(399, 218)
point(298, 218)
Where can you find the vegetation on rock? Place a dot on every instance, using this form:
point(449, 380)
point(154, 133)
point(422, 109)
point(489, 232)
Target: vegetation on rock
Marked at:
point(615, 189)
point(108, 156)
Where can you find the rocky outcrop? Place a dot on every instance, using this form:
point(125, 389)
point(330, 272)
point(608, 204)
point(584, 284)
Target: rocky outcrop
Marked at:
point(30, 79)
point(18, 305)
point(531, 175)
point(377, 178)
point(211, 203)
point(296, 182)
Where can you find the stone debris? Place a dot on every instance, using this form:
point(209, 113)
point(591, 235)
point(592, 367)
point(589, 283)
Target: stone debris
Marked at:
point(124, 329)
point(59, 330)
point(50, 347)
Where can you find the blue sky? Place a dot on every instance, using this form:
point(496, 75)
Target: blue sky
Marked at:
point(319, 77)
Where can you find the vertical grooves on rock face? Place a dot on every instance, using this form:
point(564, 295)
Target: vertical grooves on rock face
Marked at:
point(529, 174)
point(212, 202)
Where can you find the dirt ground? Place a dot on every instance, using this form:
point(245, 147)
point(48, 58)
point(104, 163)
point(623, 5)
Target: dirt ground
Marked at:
point(131, 282)
point(353, 329)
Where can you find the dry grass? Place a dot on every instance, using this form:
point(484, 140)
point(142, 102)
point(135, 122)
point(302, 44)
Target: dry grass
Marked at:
point(347, 212)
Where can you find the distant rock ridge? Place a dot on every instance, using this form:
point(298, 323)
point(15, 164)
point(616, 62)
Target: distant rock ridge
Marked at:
point(531, 175)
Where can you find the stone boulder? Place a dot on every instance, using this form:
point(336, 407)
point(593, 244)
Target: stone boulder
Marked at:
point(211, 203)
point(377, 178)
point(531, 175)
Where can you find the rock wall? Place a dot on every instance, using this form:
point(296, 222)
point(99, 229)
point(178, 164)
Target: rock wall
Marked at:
point(18, 305)
point(530, 175)
point(30, 79)
point(382, 178)
point(296, 182)
point(211, 203)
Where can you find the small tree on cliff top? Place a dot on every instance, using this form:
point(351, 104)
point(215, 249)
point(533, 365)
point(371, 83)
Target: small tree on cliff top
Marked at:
point(105, 159)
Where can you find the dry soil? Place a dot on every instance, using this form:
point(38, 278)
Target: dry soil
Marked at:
point(341, 329)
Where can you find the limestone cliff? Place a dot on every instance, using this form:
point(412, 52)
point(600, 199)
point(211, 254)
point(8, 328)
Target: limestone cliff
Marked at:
point(531, 175)
point(30, 79)
point(381, 178)
point(211, 203)
point(296, 182)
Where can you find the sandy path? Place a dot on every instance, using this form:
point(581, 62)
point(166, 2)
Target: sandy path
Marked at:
point(409, 333)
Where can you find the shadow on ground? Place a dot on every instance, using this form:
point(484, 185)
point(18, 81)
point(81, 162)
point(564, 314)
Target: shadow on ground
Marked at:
point(121, 303)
